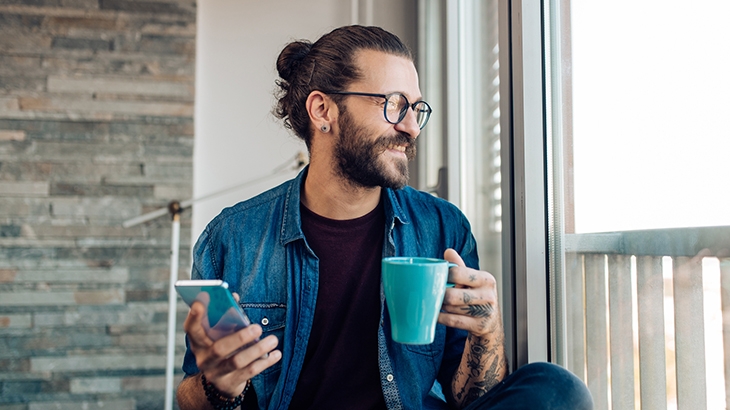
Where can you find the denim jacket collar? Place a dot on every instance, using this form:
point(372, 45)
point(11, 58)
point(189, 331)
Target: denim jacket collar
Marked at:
point(291, 221)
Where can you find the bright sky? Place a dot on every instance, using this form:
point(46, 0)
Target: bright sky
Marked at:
point(651, 92)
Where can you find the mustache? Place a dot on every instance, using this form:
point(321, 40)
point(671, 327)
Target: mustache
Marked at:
point(401, 138)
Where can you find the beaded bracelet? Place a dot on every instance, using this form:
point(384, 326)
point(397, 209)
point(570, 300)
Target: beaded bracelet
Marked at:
point(219, 400)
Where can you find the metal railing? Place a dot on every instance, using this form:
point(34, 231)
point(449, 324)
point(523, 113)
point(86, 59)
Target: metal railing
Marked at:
point(635, 316)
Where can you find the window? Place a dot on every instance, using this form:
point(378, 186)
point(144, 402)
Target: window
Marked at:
point(608, 147)
point(637, 146)
point(459, 70)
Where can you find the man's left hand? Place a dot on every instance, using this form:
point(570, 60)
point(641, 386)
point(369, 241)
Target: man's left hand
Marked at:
point(472, 304)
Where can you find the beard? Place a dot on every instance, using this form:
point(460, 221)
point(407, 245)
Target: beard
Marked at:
point(360, 161)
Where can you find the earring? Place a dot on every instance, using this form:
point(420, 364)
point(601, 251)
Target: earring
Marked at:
point(325, 128)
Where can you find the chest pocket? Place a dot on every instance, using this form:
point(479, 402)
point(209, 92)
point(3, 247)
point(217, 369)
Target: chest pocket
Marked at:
point(270, 316)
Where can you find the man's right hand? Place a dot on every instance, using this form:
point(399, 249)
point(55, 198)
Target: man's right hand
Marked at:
point(223, 365)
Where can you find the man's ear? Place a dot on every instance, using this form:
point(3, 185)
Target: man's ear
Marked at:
point(321, 109)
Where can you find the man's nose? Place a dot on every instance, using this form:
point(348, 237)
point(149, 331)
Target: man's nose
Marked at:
point(409, 124)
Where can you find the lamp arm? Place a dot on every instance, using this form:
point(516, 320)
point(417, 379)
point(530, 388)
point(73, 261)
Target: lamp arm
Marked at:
point(299, 160)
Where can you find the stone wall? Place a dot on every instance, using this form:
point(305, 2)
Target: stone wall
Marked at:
point(96, 127)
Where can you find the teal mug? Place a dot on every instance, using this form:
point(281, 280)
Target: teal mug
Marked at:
point(414, 292)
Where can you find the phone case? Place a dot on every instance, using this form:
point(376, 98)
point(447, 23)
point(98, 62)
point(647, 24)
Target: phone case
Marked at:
point(225, 316)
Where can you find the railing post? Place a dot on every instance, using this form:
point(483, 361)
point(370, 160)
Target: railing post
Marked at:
point(652, 358)
point(689, 330)
point(622, 333)
point(575, 309)
point(725, 295)
point(597, 329)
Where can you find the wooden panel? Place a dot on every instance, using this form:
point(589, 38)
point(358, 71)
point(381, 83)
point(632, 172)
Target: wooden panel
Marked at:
point(725, 295)
point(597, 329)
point(575, 309)
point(622, 335)
point(650, 306)
point(689, 328)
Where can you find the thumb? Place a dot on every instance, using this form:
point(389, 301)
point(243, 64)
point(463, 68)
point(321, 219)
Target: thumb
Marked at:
point(453, 257)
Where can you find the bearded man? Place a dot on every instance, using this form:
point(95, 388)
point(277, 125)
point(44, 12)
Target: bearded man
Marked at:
point(305, 258)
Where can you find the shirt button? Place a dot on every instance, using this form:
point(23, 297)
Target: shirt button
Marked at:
point(265, 321)
point(389, 377)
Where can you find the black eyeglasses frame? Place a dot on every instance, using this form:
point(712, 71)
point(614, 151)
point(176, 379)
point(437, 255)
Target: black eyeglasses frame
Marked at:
point(401, 114)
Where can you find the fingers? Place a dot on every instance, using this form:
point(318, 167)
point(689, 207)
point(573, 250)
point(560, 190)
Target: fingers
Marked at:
point(224, 348)
point(453, 257)
point(479, 311)
point(260, 363)
point(467, 277)
point(260, 351)
point(473, 303)
point(226, 361)
point(471, 278)
point(194, 328)
point(476, 325)
point(230, 375)
point(461, 297)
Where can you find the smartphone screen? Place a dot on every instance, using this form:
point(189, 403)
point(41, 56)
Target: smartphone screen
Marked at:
point(224, 315)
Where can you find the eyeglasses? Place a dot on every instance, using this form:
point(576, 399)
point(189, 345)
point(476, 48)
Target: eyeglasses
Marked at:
point(396, 106)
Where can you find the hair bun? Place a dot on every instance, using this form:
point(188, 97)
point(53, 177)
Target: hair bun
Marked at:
point(291, 58)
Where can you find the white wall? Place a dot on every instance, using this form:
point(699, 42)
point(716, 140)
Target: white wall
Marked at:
point(236, 136)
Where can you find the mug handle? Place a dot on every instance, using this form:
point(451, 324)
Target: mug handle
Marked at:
point(449, 284)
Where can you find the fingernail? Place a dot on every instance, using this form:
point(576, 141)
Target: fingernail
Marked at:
point(272, 341)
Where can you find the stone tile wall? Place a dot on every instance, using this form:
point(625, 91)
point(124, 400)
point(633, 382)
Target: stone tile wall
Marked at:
point(96, 127)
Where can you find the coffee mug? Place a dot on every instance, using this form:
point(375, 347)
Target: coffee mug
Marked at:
point(414, 292)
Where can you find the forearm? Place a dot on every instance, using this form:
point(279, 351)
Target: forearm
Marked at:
point(483, 365)
point(191, 396)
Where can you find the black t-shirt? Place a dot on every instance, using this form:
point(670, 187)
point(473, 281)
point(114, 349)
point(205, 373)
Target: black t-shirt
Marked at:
point(340, 368)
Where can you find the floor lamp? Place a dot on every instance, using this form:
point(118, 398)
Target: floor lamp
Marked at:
point(174, 209)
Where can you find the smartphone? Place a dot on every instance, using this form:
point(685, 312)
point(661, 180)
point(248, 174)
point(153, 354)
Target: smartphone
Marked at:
point(225, 316)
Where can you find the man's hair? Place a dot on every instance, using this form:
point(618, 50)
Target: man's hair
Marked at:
point(326, 65)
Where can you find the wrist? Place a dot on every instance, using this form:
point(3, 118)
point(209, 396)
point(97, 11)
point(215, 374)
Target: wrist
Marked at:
point(220, 400)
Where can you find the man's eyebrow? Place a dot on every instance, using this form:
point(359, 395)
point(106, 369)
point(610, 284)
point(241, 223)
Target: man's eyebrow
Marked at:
point(417, 99)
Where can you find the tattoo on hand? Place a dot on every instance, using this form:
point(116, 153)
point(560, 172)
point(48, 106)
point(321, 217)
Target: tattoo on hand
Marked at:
point(467, 298)
point(482, 311)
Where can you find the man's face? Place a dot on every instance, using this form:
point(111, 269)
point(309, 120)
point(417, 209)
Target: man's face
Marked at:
point(362, 160)
point(370, 151)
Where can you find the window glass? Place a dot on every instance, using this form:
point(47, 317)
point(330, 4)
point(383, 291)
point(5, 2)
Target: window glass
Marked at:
point(482, 180)
point(639, 222)
point(473, 104)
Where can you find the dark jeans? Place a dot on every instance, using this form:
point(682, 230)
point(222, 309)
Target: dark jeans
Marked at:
point(537, 386)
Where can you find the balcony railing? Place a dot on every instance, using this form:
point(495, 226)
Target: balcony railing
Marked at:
point(636, 307)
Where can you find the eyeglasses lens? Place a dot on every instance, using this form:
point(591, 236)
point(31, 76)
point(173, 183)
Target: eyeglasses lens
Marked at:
point(423, 112)
point(395, 107)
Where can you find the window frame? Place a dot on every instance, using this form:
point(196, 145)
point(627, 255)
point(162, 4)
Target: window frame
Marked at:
point(525, 285)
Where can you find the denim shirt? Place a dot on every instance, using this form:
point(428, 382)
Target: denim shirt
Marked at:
point(258, 247)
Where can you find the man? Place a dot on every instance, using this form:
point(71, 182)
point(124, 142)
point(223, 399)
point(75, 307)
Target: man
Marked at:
point(305, 259)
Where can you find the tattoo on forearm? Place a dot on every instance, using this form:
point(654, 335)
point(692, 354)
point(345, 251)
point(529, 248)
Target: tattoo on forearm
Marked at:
point(478, 379)
point(475, 393)
point(490, 379)
point(474, 360)
point(482, 311)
